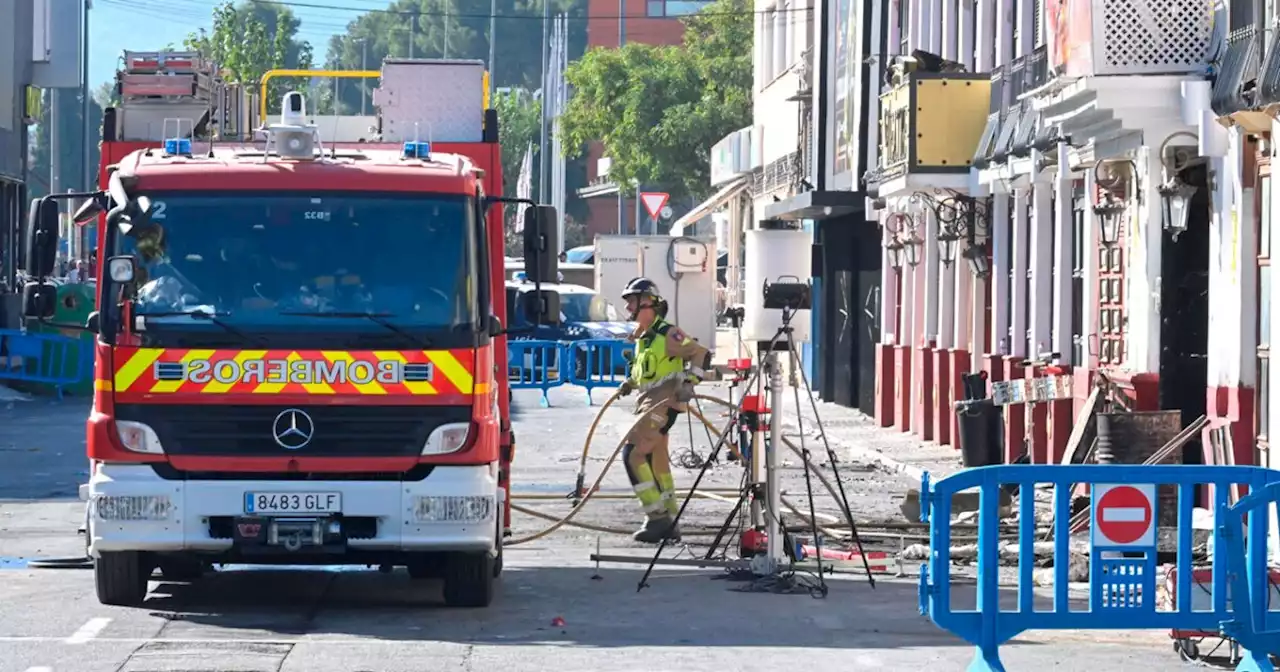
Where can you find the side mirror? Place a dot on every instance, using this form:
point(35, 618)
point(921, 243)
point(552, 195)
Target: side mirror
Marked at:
point(494, 326)
point(90, 209)
point(121, 269)
point(39, 300)
point(540, 307)
point(93, 323)
point(541, 244)
point(42, 237)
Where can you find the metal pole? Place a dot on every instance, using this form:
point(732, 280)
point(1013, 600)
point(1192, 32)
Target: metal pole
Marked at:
point(772, 487)
point(55, 151)
point(546, 96)
point(446, 28)
point(86, 124)
point(364, 65)
point(493, 32)
point(622, 41)
point(413, 31)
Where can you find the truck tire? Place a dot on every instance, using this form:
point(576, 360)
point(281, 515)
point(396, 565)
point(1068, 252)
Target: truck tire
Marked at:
point(181, 569)
point(121, 578)
point(468, 580)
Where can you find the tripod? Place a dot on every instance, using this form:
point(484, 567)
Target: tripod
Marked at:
point(767, 514)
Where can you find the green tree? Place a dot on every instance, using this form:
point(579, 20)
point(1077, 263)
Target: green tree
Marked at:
point(248, 40)
point(658, 110)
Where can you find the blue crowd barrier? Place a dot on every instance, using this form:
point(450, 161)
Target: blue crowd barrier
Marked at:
point(590, 363)
point(1122, 574)
point(48, 359)
point(535, 365)
point(597, 362)
point(1243, 541)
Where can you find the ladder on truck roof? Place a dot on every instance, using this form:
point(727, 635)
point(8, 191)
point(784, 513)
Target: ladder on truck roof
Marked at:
point(176, 93)
point(433, 100)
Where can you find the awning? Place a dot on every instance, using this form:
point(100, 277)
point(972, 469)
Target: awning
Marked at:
point(710, 205)
point(817, 205)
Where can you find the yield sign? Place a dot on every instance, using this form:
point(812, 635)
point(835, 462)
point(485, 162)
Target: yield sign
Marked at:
point(1124, 515)
point(653, 201)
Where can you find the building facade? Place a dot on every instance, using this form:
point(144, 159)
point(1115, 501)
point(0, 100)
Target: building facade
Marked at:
point(1031, 155)
point(1236, 144)
point(15, 78)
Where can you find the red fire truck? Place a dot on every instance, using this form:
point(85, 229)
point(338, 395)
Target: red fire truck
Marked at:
point(300, 350)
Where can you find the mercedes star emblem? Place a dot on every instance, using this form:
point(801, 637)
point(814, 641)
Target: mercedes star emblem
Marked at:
point(293, 429)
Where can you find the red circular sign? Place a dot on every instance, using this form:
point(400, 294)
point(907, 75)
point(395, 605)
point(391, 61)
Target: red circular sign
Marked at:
point(1123, 514)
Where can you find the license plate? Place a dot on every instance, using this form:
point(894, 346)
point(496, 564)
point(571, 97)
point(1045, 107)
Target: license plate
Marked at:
point(292, 502)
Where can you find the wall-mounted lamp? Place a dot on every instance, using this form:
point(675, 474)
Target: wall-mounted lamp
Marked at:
point(1175, 195)
point(903, 244)
point(1109, 209)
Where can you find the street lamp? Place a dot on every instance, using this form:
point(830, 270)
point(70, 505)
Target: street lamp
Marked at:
point(895, 249)
point(1109, 212)
point(899, 245)
point(979, 265)
point(948, 244)
point(1109, 209)
point(912, 244)
point(1175, 195)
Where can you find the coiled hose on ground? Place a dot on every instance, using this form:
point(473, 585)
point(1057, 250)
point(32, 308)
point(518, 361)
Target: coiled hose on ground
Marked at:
point(587, 493)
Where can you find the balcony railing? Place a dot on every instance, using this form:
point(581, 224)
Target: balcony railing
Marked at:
point(1269, 76)
point(1234, 84)
point(932, 123)
point(996, 113)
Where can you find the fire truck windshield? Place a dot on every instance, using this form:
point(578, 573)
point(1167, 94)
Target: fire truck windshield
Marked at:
point(266, 263)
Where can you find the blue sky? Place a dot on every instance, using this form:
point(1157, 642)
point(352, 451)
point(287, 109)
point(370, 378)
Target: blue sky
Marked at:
point(142, 25)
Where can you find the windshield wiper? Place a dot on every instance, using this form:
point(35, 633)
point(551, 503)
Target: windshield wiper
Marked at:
point(207, 316)
point(376, 318)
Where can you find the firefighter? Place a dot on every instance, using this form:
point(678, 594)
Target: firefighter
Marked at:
point(658, 373)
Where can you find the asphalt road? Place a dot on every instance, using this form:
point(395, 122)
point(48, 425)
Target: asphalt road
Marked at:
point(353, 620)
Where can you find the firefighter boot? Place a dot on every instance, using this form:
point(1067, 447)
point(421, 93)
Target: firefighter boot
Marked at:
point(654, 530)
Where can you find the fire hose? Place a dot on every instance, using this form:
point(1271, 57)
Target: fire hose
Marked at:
point(588, 493)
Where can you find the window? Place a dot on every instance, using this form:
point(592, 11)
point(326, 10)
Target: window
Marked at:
point(661, 8)
point(904, 27)
point(1262, 421)
point(766, 47)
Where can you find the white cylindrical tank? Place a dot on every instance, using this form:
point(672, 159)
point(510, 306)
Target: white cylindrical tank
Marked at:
point(772, 254)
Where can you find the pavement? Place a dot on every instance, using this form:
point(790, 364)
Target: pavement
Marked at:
point(351, 619)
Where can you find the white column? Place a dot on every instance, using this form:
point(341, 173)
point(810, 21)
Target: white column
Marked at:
point(1041, 266)
point(967, 35)
point(1000, 243)
point(889, 324)
point(1018, 291)
point(947, 305)
point(918, 37)
point(965, 306)
point(1063, 245)
point(907, 321)
point(978, 292)
point(984, 41)
point(934, 26)
point(895, 37)
point(1089, 321)
point(929, 255)
point(950, 49)
point(1004, 30)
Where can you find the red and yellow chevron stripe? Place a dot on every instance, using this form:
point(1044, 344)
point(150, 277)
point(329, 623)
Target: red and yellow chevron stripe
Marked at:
point(324, 372)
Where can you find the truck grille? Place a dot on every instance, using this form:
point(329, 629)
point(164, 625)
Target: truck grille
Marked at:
point(249, 431)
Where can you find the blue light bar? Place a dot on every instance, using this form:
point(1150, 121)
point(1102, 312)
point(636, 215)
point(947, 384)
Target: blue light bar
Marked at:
point(177, 146)
point(417, 150)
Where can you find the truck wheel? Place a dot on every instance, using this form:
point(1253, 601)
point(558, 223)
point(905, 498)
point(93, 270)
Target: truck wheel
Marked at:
point(121, 578)
point(468, 580)
point(181, 569)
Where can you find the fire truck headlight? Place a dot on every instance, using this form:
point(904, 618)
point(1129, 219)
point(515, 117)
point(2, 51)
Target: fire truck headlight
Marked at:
point(132, 507)
point(448, 438)
point(138, 437)
point(453, 509)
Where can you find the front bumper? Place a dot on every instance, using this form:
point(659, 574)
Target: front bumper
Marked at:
point(133, 509)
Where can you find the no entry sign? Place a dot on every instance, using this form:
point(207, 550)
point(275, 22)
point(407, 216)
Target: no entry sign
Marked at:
point(1124, 515)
